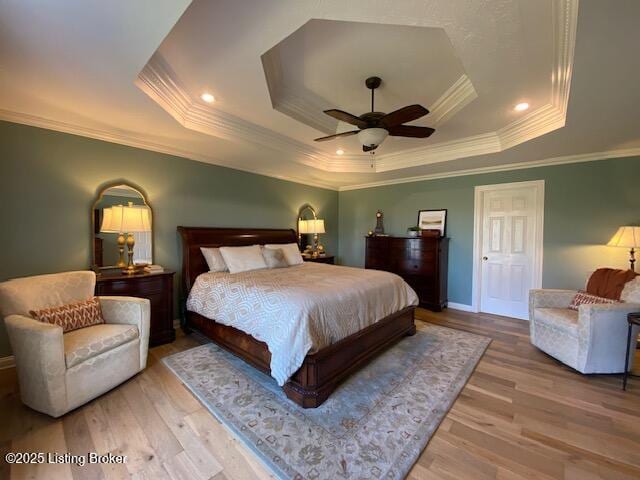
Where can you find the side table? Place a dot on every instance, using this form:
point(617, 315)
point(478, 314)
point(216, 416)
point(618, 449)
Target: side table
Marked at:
point(634, 320)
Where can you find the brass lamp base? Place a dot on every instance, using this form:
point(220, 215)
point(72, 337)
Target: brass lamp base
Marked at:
point(131, 269)
point(121, 241)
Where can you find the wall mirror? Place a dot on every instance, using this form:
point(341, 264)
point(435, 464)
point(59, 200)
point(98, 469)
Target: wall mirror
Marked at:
point(121, 226)
point(309, 227)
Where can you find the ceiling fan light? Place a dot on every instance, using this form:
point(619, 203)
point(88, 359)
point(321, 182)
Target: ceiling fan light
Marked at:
point(372, 137)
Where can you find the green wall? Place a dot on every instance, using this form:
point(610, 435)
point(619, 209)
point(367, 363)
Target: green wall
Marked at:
point(584, 205)
point(49, 180)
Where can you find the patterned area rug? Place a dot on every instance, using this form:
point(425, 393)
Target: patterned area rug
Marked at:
point(373, 426)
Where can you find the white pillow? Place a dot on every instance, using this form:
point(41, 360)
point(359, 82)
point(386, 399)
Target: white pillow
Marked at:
point(631, 291)
point(243, 259)
point(291, 252)
point(214, 259)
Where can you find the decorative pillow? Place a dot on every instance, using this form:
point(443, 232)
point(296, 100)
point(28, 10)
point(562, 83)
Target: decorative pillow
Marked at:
point(72, 316)
point(631, 291)
point(214, 259)
point(584, 298)
point(243, 259)
point(291, 252)
point(274, 258)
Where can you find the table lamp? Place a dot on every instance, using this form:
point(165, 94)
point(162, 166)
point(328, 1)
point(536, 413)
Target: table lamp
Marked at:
point(130, 219)
point(316, 227)
point(627, 236)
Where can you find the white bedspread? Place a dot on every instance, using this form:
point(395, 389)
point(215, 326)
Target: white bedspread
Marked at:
point(299, 309)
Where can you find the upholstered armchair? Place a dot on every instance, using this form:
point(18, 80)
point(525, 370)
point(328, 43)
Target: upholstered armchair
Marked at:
point(58, 371)
point(592, 339)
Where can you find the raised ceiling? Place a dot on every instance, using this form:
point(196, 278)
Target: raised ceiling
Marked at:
point(133, 72)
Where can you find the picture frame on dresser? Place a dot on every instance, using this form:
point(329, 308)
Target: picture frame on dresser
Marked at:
point(433, 220)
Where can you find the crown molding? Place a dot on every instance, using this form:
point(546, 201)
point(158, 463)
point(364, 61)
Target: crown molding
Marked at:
point(553, 161)
point(454, 99)
point(439, 152)
point(138, 141)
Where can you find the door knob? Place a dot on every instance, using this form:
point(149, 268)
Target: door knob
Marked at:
point(485, 258)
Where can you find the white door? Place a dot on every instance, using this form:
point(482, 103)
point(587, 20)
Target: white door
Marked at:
point(511, 247)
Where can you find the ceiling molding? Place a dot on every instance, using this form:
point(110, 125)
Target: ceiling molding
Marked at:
point(158, 80)
point(160, 83)
point(439, 152)
point(454, 99)
point(139, 141)
point(578, 158)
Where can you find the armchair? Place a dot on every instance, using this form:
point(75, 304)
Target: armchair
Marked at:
point(58, 371)
point(590, 340)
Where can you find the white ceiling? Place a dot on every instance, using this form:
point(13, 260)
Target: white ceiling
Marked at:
point(132, 73)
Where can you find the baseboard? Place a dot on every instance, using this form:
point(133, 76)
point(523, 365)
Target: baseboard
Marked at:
point(7, 362)
point(460, 306)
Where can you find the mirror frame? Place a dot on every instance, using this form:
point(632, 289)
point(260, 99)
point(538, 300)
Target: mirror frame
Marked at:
point(301, 210)
point(100, 193)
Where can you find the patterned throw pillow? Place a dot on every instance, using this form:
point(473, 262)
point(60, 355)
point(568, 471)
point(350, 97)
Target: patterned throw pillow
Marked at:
point(584, 298)
point(72, 316)
point(274, 258)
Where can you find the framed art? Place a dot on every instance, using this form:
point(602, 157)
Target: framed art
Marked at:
point(433, 220)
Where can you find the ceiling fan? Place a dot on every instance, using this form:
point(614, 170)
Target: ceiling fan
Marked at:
point(373, 127)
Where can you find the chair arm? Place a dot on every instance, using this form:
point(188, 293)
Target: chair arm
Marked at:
point(602, 332)
point(550, 298)
point(131, 311)
point(38, 348)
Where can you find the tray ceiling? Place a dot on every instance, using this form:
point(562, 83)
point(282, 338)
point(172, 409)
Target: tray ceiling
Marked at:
point(134, 73)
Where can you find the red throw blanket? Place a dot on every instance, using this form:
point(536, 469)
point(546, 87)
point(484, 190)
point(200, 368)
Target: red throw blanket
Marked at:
point(609, 282)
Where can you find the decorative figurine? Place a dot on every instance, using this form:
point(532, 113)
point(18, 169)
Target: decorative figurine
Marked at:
point(379, 230)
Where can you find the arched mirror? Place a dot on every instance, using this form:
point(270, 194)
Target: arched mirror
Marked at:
point(309, 227)
point(121, 226)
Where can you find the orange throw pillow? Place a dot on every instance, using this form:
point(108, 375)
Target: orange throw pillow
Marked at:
point(73, 315)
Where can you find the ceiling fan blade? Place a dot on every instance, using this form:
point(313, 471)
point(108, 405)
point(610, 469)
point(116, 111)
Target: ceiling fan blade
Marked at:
point(347, 117)
point(367, 148)
point(403, 115)
point(331, 137)
point(410, 131)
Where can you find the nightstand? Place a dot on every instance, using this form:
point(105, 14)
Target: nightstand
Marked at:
point(157, 287)
point(326, 259)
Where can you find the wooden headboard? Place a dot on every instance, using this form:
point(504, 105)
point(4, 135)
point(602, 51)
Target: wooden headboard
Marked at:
point(193, 262)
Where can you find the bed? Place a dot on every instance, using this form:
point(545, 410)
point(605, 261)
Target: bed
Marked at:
point(320, 370)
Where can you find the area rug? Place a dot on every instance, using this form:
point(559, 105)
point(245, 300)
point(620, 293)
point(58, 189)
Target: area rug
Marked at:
point(375, 425)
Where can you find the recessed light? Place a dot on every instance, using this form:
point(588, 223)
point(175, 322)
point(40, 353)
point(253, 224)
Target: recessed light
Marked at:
point(339, 151)
point(207, 97)
point(521, 107)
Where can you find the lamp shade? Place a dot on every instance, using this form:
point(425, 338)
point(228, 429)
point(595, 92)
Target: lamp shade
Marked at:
point(627, 236)
point(129, 219)
point(107, 221)
point(136, 218)
point(316, 226)
point(303, 227)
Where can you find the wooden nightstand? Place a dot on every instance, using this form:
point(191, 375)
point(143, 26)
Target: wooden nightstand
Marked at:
point(157, 287)
point(326, 259)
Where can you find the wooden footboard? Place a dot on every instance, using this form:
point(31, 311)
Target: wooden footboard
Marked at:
point(322, 371)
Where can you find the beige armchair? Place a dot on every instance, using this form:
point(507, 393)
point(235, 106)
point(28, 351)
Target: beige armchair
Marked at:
point(59, 372)
point(592, 339)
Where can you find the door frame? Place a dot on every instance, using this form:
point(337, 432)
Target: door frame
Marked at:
point(538, 249)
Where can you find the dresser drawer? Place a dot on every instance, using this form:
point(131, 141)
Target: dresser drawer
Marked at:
point(157, 288)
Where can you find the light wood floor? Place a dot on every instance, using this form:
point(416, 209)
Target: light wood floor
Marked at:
point(521, 416)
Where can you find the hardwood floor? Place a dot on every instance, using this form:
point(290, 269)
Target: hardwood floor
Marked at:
point(522, 415)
